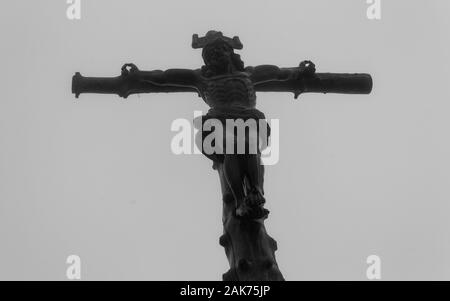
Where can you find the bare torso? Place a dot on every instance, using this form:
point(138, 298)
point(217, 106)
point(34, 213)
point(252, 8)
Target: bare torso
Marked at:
point(228, 90)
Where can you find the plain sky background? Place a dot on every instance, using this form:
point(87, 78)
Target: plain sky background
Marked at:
point(358, 174)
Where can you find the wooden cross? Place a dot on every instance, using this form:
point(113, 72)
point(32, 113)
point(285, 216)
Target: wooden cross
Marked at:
point(229, 88)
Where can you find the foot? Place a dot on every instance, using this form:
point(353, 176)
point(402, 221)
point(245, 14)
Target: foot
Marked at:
point(255, 198)
point(246, 212)
point(252, 207)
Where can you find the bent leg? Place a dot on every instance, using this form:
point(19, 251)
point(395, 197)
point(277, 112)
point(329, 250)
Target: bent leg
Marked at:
point(229, 203)
point(255, 173)
point(233, 170)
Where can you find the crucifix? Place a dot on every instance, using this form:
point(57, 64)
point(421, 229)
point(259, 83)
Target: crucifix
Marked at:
point(229, 89)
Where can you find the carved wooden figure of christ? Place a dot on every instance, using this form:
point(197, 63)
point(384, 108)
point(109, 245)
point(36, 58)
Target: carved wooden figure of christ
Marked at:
point(229, 89)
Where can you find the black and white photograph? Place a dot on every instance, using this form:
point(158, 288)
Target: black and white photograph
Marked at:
point(225, 141)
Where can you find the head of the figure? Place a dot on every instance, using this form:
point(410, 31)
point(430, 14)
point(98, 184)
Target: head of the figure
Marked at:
point(218, 53)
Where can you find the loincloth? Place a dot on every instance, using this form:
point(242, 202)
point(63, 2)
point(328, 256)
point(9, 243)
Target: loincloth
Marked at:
point(254, 133)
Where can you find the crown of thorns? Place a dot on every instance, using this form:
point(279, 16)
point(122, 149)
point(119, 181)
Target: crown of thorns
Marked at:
point(213, 36)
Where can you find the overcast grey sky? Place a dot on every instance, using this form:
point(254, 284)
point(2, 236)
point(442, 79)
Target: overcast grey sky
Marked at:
point(358, 174)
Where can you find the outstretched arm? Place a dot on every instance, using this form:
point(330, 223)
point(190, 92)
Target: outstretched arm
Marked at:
point(304, 79)
point(270, 73)
point(171, 77)
point(132, 81)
